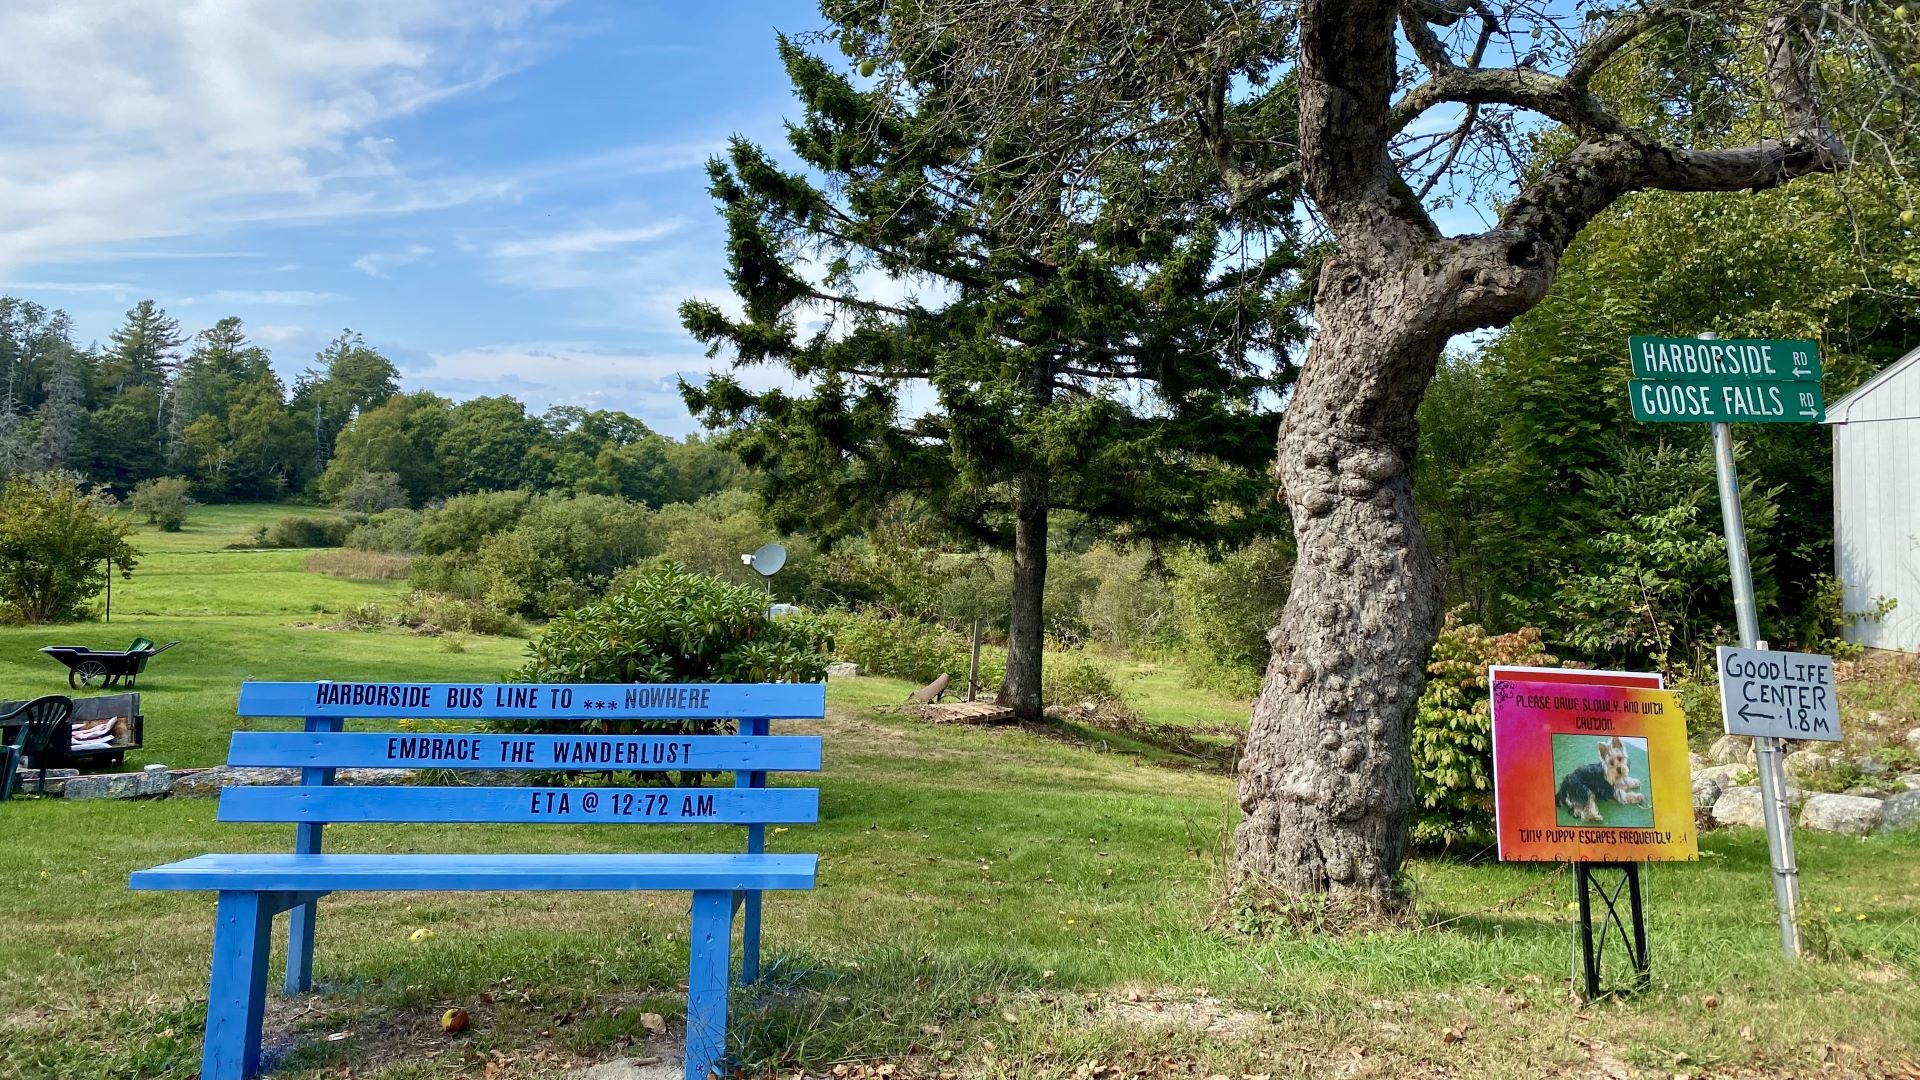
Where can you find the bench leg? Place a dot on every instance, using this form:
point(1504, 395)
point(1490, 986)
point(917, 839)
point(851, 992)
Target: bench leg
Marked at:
point(707, 983)
point(300, 947)
point(237, 992)
point(750, 940)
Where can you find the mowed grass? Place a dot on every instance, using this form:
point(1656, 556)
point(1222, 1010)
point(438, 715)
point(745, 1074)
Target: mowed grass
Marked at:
point(993, 903)
point(239, 615)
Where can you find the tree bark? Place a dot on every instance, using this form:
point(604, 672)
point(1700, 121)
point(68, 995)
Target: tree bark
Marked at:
point(1026, 630)
point(1326, 781)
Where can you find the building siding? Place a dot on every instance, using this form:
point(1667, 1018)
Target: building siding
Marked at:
point(1876, 462)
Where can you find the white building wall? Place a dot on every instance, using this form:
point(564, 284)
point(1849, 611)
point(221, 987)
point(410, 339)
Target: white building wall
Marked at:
point(1876, 500)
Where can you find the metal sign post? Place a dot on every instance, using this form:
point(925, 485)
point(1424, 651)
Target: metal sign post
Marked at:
point(1707, 379)
point(1773, 780)
point(1590, 881)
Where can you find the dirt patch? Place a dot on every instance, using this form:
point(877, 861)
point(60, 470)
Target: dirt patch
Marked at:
point(1171, 1010)
point(368, 1040)
point(960, 712)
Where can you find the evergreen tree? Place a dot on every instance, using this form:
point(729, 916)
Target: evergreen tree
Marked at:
point(145, 349)
point(14, 452)
point(1126, 366)
point(32, 340)
point(62, 438)
point(222, 358)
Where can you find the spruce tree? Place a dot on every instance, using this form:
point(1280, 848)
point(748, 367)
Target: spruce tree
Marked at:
point(1128, 368)
point(63, 415)
point(145, 349)
point(221, 360)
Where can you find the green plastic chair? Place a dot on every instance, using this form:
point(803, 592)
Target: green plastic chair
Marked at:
point(38, 720)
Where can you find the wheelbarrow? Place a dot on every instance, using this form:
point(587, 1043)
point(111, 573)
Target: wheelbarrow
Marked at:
point(92, 668)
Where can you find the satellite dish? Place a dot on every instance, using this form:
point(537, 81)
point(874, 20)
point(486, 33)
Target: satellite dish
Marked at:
point(767, 559)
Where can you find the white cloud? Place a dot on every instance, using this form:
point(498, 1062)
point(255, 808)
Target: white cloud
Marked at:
point(275, 297)
point(112, 287)
point(279, 333)
point(640, 382)
point(157, 118)
point(588, 241)
point(379, 263)
point(627, 277)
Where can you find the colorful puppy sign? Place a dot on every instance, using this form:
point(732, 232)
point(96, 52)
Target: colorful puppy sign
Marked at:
point(1588, 772)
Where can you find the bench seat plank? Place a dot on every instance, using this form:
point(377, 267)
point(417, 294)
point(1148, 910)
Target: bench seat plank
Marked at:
point(275, 872)
point(529, 805)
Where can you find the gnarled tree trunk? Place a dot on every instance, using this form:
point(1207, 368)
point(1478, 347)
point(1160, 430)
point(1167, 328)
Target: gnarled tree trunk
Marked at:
point(1326, 783)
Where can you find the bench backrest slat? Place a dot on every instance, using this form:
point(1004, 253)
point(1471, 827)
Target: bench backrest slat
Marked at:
point(464, 750)
point(561, 805)
point(569, 744)
point(558, 701)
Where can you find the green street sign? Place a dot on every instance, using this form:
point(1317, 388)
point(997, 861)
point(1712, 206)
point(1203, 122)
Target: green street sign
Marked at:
point(1726, 400)
point(1750, 360)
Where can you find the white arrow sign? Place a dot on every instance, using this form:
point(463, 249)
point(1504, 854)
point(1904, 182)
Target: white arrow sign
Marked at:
point(1778, 695)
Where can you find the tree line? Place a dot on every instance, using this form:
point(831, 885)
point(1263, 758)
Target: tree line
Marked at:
point(153, 402)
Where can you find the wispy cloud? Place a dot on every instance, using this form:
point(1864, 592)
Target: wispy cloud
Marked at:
point(381, 263)
point(642, 382)
point(268, 297)
point(197, 117)
point(587, 241)
point(30, 287)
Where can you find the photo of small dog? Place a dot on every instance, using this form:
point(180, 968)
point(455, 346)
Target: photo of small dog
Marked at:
point(1586, 789)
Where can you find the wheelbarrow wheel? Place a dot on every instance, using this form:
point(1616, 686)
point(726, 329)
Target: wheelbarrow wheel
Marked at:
point(91, 673)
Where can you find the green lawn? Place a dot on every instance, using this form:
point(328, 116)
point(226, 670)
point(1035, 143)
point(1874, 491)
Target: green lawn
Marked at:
point(239, 615)
point(213, 527)
point(994, 903)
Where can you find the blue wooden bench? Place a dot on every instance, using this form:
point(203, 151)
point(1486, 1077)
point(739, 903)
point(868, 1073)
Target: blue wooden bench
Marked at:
point(253, 888)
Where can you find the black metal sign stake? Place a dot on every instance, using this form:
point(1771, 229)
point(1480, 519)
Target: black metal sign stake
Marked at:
point(1591, 879)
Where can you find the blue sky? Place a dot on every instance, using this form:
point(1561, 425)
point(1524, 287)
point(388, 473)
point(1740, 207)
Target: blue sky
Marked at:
point(502, 195)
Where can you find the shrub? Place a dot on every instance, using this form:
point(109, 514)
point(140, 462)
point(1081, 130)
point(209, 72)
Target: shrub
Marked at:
point(164, 500)
point(1823, 626)
point(1700, 700)
point(911, 649)
point(303, 532)
point(562, 552)
point(464, 521)
point(1453, 731)
point(452, 574)
point(1130, 605)
point(1226, 606)
point(458, 614)
point(669, 626)
point(56, 540)
point(372, 492)
point(389, 530)
point(1070, 678)
point(1649, 582)
point(983, 587)
point(432, 613)
point(359, 565)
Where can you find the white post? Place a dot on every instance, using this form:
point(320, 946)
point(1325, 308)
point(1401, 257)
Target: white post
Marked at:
point(1773, 780)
